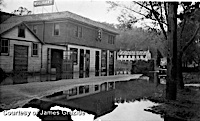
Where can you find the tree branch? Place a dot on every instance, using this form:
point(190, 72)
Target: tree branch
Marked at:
point(143, 6)
point(166, 14)
point(191, 39)
point(160, 24)
point(182, 28)
point(142, 14)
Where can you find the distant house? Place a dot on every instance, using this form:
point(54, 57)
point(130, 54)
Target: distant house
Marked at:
point(133, 55)
point(92, 44)
point(22, 51)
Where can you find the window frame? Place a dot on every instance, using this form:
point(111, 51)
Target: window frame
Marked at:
point(55, 30)
point(8, 47)
point(78, 31)
point(35, 28)
point(111, 39)
point(33, 49)
point(21, 31)
point(74, 55)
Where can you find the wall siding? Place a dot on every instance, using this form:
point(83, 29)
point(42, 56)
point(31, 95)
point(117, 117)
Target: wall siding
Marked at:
point(34, 63)
point(39, 32)
point(67, 28)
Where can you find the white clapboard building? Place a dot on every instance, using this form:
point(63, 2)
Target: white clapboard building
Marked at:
point(133, 55)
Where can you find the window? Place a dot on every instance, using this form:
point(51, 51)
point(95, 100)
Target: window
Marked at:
point(78, 32)
point(35, 49)
point(111, 39)
point(96, 88)
point(56, 29)
point(74, 55)
point(81, 89)
point(4, 47)
point(86, 89)
point(21, 31)
point(35, 29)
point(73, 91)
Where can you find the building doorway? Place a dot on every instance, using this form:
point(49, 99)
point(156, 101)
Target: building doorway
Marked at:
point(104, 63)
point(81, 64)
point(87, 63)
point(20, 63)
point(97, 63)
point(111, 63)
point(57, 60)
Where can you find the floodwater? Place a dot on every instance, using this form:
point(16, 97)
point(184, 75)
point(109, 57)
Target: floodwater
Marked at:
point(112, 101)
point(103, 101)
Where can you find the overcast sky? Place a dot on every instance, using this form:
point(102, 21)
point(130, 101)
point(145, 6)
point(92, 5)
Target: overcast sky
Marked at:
point(93, 9)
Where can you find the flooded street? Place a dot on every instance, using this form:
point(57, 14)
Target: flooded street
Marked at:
point(109, 100)
point(92, 101)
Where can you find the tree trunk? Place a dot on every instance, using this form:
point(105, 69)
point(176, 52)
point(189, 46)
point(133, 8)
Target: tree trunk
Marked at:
point(171, 88)
point(180, 83)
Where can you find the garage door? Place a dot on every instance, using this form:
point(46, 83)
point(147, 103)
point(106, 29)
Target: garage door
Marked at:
point(20, 58)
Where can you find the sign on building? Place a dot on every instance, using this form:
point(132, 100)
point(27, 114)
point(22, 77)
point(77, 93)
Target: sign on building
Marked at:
point(43, 3)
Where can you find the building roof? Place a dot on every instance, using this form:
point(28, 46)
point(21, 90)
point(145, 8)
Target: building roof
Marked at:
point(60, 15)
point(5, 27)
point(4, 16)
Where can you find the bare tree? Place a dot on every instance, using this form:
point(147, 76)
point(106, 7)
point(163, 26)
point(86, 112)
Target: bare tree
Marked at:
point(158, 13)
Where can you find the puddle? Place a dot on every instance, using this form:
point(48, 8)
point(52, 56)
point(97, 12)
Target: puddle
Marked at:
point(103, 101)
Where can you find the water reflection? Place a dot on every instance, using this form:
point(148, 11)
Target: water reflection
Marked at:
point(22, 78)
point(97, 99)
point(106, 98)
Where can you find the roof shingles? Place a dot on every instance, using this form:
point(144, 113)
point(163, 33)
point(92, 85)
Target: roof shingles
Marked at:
point(59, 15)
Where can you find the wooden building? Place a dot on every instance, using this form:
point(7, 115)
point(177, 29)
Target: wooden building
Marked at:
point(133, 55)
point(92, 43)
point(22, 51)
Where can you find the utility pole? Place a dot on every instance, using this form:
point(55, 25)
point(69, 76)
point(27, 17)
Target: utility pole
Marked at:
point(171, 88)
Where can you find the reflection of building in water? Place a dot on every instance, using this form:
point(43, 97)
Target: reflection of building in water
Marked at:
point(85, 90)
point(97, 99)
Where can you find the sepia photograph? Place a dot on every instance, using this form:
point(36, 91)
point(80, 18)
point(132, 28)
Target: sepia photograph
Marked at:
point(98, 60)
